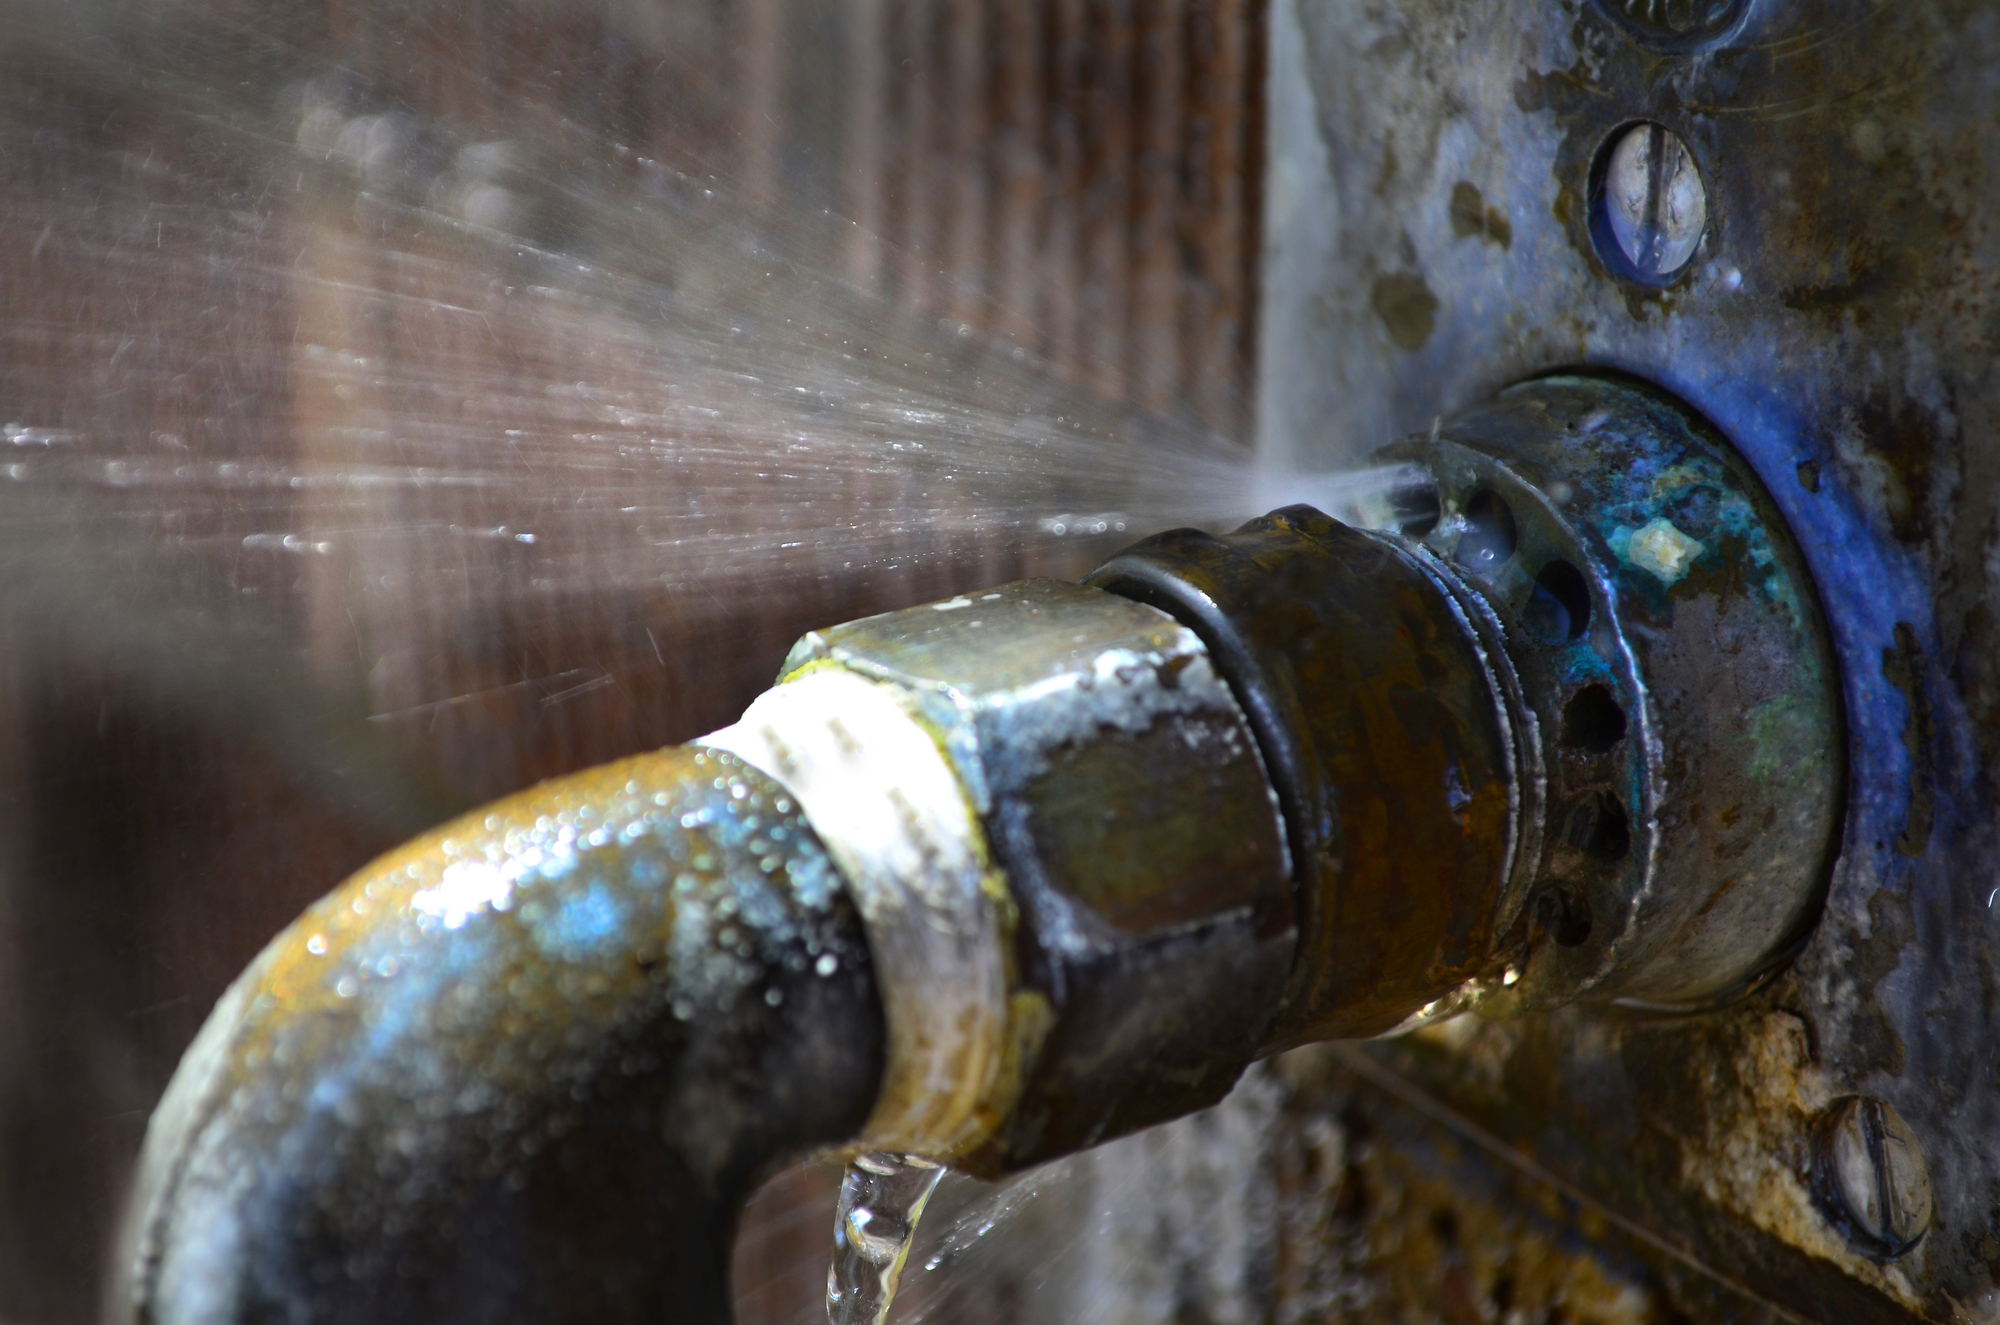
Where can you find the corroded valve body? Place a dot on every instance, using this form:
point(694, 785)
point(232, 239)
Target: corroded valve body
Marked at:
point(1558, 720)
point(1669, 648)
point(1554, 719)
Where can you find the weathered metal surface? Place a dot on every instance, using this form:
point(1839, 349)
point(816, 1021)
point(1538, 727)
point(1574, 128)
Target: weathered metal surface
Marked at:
point(1124, 796)
point(1386, 735)
point(1323, 1192)
point(1390, 1208)
point(1673, 653)
point(299, 403)
point(1836, 327)
point(1872, 1176)
point(531, 1062)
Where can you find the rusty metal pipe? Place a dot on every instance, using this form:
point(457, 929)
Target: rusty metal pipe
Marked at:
point(1387, 727)
point(532, 1063)
point(994, 879)
point(528, 1066)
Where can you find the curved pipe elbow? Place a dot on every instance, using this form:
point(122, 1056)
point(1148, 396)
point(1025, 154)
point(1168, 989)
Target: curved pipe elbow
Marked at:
point(529, 1065)
point(1076, 855)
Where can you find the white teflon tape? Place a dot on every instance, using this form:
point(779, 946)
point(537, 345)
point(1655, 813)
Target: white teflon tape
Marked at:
point(892, 814)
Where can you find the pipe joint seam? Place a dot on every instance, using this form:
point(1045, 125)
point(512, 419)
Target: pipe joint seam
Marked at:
point(1120, 788)
point(896, 820)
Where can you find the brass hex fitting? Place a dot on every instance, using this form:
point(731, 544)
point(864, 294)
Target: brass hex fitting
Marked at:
point(1125, 797)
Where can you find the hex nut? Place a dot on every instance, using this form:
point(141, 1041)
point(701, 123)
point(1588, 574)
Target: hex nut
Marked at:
point(1123, 793)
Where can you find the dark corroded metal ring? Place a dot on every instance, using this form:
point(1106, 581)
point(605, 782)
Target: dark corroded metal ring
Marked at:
point(1675, 657)
point(1385, 726)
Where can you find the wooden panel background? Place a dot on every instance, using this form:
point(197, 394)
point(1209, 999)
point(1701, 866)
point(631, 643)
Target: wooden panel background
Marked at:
point(275, 431)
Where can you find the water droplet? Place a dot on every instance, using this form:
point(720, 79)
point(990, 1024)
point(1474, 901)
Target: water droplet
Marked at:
point(316, 945)
point(827, 964)
point(882, 1197)
point(877, 1239)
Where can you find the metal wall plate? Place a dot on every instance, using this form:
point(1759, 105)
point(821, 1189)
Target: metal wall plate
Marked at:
point(1836, 323)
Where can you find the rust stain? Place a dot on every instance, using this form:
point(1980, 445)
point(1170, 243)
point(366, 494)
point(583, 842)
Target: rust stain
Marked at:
point(1716, 896)
point(1408, 309)
point(1471, 218)
point(1375, 1224)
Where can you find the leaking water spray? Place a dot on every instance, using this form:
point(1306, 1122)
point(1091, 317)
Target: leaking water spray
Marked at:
point(995, 879)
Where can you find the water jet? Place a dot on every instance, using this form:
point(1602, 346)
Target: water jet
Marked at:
point(994, 879)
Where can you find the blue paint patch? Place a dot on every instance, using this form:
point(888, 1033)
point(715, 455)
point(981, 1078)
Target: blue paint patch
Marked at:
point(814, 881)
point(584, 923)
point(646, 872)
point(729, 832)
point(757, 902)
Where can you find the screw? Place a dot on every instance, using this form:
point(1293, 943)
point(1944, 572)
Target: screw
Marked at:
point(1676, 26)
point(1873, 1176)
point(1652, 203)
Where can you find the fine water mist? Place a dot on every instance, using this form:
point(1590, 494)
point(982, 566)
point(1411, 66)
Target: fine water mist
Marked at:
point(374, 365)
point(404, 403)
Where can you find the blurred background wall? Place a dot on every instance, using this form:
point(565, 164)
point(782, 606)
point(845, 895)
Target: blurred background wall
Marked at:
point(405, 402)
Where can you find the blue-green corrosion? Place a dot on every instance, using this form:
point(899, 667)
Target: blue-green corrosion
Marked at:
point(523, 1068)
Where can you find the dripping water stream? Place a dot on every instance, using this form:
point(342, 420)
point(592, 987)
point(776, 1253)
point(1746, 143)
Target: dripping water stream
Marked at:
point(439, 433)
point(882, 1196)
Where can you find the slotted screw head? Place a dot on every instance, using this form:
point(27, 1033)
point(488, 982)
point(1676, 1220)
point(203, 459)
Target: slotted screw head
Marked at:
point(1873, 1175)
point(1654, 204)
